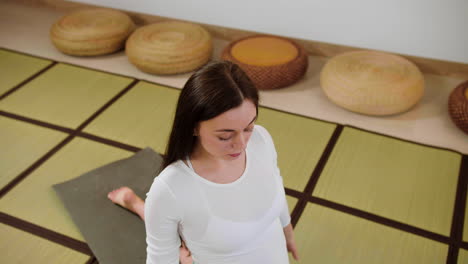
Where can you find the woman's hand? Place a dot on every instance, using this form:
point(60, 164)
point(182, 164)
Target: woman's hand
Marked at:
point(290, 243)
point(185, 257)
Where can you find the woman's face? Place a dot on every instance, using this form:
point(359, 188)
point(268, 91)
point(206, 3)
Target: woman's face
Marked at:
point(226, 136)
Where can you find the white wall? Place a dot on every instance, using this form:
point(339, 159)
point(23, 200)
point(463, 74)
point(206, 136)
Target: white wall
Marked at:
point(426, 28)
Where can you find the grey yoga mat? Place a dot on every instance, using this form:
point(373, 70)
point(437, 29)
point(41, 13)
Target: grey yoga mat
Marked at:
point(114, 234)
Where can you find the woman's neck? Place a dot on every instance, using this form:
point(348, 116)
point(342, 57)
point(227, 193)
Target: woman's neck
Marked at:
point(206, 162)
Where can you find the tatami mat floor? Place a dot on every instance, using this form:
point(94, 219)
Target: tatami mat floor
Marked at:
point(356, 196)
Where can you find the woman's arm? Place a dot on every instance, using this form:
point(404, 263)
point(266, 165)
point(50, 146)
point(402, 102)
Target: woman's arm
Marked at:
point(285, 218)
point(290, 243)
point(161, 221)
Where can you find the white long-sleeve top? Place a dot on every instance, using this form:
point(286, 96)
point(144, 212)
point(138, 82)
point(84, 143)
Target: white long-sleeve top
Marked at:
point(236, 223)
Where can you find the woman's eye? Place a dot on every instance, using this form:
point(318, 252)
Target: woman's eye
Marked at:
point(223, 139)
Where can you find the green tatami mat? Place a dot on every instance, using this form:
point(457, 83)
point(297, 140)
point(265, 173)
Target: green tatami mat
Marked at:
point(299, 141)
point(21, 145)
point(143, 117)
point(462, 256)
point(399, 180)
point(64, 95)
point(19, 247)
point(17, 68)
point(35, 201)
point(327, 236)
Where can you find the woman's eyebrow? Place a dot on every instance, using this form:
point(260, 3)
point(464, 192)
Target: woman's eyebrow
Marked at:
point(232, 130)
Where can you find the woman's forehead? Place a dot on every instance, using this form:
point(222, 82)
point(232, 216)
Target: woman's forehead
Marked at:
point(236, 118)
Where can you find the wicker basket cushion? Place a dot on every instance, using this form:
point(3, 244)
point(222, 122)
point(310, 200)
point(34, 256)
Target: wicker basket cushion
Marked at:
point(91, 32)
point(271, 62)
point(169, 47)
point(373, 83)
point(458, 106)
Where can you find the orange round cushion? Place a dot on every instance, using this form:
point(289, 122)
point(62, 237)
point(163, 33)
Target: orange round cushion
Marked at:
point(458, 106)
point(264, 51)
point(270, 62)
point(91, 32)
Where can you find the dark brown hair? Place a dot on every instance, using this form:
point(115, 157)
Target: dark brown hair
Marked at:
point(212, 90)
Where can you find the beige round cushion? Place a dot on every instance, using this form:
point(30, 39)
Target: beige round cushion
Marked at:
point(270, 62)
point(169, 47)
point(372, 83)
point(458, 106)
point(91, 32)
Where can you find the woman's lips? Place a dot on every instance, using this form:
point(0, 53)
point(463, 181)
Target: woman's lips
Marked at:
point(235, 155)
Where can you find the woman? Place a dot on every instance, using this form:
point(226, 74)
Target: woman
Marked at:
point(220, 190)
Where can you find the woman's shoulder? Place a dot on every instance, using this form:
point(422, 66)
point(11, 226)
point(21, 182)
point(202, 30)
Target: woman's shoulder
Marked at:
point(173, 177)
point(262, 134)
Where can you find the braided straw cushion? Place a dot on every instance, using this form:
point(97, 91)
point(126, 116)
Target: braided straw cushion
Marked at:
point(270, 62)
point(372, 83)
point(458, 106)
point(169, 47)
point(91, 32)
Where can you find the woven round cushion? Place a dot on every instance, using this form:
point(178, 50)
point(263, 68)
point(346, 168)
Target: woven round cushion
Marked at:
point(458, 106)
point(270, 62)
point(169, 47)
point(372, 83)
point(91, 32)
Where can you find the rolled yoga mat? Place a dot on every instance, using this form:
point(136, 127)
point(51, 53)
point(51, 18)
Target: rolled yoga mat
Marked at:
point(114, 234)
point(270, 62)
point(91, 32)
point(372, 83)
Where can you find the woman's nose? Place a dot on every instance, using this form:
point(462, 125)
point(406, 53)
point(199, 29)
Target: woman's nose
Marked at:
point(239, 141)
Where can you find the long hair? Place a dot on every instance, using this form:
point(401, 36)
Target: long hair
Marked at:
point(212, 90)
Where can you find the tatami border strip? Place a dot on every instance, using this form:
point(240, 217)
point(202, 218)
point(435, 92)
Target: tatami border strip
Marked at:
point(18, 86)
point(70, 131)
point(381, 220)
point(37, 122)
point(323, 160)
point(72, 64)
point(91, 260)
point(108, 142)
point(34, 166)
point(405, 140)
point(293, 193)
point(108, 104)
point(458, 218)
point(45, 233)
point(300, 207)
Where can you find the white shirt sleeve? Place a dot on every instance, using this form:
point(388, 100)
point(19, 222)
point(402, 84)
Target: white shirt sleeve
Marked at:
point(161, 221)
point(285, 218)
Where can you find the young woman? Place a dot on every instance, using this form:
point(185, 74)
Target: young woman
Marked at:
point(220, 192)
